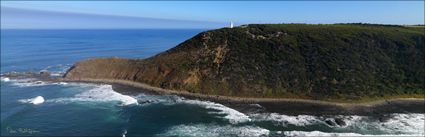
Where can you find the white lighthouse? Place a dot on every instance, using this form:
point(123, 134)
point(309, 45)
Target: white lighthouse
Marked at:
point(231, 24)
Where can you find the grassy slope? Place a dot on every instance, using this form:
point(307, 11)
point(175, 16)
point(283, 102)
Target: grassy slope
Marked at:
point(325, 62)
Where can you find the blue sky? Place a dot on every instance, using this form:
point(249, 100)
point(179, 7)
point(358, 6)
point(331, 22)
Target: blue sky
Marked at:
point(202, 14)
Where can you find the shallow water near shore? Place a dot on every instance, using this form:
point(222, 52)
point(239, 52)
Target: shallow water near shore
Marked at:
point(85, 109)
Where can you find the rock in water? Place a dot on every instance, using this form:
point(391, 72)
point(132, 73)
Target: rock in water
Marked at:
point(44, 73)
point(37, 100)
point(330, 122)
point(340, 122)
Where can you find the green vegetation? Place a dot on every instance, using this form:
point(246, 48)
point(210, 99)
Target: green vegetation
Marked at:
point(326, 62)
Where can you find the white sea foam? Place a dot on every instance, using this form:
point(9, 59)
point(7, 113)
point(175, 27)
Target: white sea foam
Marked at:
point(284, 120)
point(124, 133)
point(413, 123)
point(28, 82)
point(210, 130)
point(33, 82)
point(404, 124)
point(62, 83)
point(5, 79)
point(325, 134)
point(56, 74)
point(35, 101)
point(232, 115)
point(101, 93)
point(76, 84)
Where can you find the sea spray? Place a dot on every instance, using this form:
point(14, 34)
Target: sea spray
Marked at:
point(403, 124)
point(37, 100)
point(284, 120)
point(28, 82)
point(5, 79)
point(232, 115)
point(212, 130)
point(330, 134)
point(100, 93)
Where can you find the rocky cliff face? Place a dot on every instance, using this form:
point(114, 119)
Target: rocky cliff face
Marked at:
point(302, 61)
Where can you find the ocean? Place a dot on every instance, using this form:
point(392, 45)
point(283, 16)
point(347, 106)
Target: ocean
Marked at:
point(30, 107)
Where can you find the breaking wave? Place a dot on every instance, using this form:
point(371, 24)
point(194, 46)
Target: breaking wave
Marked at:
point(412, 123)
point(101, 93)
point(35, 101)
point(395, 124)
point(5, 79)
point(27, 79)
point(325, 134)
point(212, 130)
point(232, 115)
point(30, 82)
point(284, 120)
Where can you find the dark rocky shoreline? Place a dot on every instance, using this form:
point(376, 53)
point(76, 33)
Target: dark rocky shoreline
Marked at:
point(299, 107)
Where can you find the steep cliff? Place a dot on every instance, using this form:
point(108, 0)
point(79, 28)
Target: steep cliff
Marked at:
point(345, 61)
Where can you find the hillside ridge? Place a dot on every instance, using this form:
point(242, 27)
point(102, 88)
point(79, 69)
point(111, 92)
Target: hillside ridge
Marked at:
point(340, 61)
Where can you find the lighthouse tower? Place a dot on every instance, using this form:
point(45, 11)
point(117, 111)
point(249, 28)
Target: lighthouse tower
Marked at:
point(231, 24)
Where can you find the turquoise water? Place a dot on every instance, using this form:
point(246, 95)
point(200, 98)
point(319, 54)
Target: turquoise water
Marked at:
point(82, 109)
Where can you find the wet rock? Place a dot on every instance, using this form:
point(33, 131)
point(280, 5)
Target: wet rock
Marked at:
point(146, 102)
point(384, 118)
point(340, 122)
point(330, 122)
point(44, 73)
